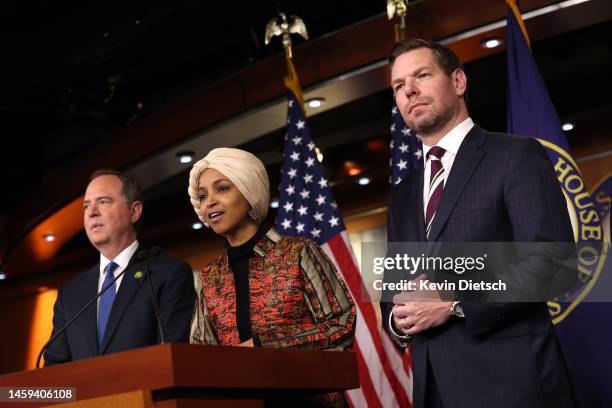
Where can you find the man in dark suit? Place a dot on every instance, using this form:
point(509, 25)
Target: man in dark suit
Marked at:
point(472, 186)
point(124, 316)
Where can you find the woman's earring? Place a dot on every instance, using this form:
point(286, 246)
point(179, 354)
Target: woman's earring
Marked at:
point(252, 214)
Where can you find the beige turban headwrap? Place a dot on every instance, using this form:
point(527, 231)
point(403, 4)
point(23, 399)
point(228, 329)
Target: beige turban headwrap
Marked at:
point(243, 169)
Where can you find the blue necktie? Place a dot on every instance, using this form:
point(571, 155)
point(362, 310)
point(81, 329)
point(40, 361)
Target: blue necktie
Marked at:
point(106, 300)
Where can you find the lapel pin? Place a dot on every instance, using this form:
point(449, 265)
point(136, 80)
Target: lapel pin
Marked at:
point(138, 275)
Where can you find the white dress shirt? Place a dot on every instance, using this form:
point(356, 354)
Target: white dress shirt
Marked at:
point(449, 142)
point(122, 260)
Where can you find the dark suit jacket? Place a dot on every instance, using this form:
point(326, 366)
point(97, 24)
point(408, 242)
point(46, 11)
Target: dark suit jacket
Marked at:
point(132, 322)
point(501, 188)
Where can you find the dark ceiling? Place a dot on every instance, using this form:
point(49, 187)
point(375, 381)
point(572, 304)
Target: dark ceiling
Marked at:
point(57, 102)
point(74, 72)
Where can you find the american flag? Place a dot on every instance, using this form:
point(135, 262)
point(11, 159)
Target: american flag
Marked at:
point(406, 148)
point(307, 208)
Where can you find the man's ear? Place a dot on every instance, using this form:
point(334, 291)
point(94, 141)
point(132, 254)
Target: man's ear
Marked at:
point(135, 211)
point(460, 82)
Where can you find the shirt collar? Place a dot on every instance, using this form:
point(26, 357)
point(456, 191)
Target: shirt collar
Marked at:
point(453, 139)
point(123, 259)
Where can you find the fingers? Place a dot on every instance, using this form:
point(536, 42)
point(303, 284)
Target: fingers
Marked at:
point(413, 317)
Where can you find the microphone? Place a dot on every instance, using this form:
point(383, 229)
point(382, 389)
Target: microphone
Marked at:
point(153, 253)
point(139, 256)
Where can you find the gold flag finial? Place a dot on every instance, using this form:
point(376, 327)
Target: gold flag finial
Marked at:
point(398, 8)
point(281, 25)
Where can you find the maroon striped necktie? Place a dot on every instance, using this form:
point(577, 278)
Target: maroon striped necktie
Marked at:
point(436, 184)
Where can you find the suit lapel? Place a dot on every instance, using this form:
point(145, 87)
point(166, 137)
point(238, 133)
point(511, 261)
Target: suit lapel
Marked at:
point(420, 233)
point(88, 291)
point(128, 288)
point(465, 163)
point(416, 207)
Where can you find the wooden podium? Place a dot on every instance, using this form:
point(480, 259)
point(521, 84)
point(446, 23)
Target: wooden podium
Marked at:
point(185, 376)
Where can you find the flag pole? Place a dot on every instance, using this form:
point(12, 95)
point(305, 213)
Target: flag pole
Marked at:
point(284, 27)
point(397, 9)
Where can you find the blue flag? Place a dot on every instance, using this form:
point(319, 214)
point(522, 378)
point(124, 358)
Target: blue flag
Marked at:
point(584, 328)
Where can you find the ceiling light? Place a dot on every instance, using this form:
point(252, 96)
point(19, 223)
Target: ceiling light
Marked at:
point(315, 102)
point(491, 42)
point(274, 203)
point(49, 237)
point(567, 126)
point(364, 181)
point(185, 157)
point(319, 155)
point(197, 225)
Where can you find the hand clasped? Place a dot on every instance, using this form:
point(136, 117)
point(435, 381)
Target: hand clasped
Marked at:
point(416, 311)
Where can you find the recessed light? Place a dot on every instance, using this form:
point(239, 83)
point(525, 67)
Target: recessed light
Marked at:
point(274, 203)
point(185, 157)
point(319, 154)
point(567, 126)
point(363, 181)
point(197, 225)
point(315, 102)
point(49, 237)
point(491, 42)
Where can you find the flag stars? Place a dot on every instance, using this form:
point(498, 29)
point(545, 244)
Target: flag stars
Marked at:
point(391, 144)
point(311, 146)
point(295, 156)
point(291, 103)
point(305, 194)
point(334, 205)
point(292, 173)
point(303, 210)
point(394, 110)
point(307, 178)
point(310, 162)
point(323, 182)
point(300, 124)
point(286, 224)
point(320, 199)
point(404, 147)
point(300, 227)
point(318, 216)
point(297, 140)
point(393, 128)
point(290, 189)
point(418, 154)
point(333, 221)
point(288, 206)
point(405, 131)
point(316, 233)
point(402, 164)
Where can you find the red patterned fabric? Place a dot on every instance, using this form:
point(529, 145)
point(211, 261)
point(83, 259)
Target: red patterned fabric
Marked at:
point(297, 299)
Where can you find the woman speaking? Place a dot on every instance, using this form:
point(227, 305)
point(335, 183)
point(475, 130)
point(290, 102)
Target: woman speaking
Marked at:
point(266, 290)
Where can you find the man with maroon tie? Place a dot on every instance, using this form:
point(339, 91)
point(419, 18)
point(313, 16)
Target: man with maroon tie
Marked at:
point(473, 186)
